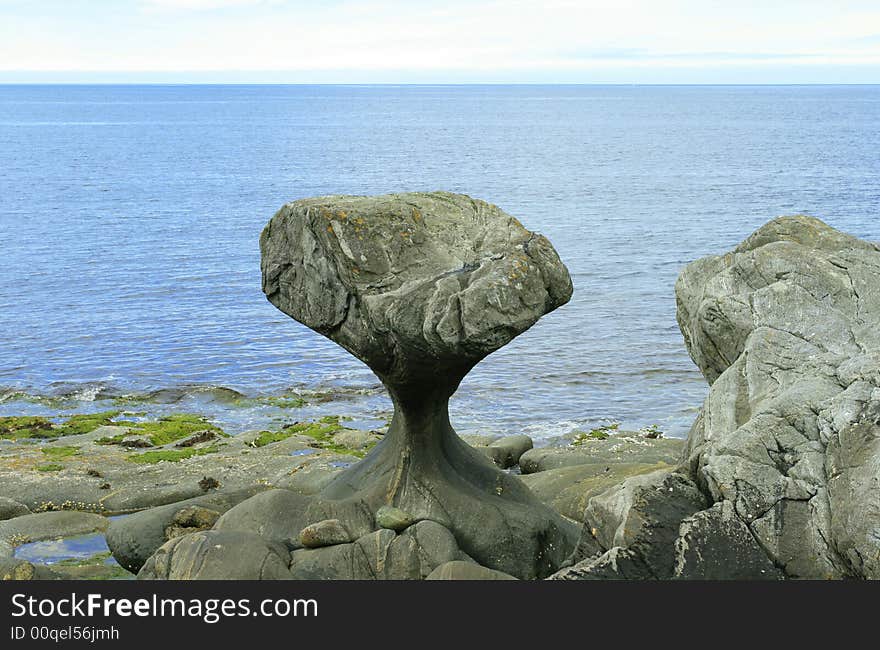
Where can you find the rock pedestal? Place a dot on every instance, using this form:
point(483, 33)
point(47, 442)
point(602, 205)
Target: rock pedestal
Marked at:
point(421, 287)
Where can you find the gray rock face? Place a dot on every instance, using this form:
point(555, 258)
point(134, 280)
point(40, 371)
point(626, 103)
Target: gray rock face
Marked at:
point(421, 287)
point(716, 545)
point(215, 555)
point(785, 329)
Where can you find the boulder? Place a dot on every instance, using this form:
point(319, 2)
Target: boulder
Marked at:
point(324, 533)
point(421, 287)
point(784, 329)
point(393, 518)
point(460, 570)
point(217, 555)
point(10, 508)
point(509, 449)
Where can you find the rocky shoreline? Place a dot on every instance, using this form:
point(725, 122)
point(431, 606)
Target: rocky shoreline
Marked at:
point(778, 479)
point(92, 483)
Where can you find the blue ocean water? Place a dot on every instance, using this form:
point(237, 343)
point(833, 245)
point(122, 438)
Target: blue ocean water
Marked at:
point(130, 216)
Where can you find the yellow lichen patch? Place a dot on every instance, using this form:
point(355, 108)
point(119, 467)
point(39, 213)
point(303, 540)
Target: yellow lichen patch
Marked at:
point(416, 215)
point(330, 228)
point(342, 214)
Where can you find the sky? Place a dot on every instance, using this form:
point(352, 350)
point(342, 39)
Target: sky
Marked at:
point(453, 41)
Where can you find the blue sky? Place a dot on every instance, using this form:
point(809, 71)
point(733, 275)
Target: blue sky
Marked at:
point(381, 41)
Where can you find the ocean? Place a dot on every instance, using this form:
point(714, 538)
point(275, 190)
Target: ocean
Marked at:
point(130, 217)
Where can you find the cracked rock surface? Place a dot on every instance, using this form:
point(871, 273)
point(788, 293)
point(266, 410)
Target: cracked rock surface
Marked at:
point(786, 329)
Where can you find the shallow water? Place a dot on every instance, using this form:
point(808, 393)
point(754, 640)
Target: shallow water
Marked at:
point(65, 549)
point(129, 219)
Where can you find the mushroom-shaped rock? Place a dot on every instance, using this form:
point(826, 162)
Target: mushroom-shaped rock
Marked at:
point(421, 287)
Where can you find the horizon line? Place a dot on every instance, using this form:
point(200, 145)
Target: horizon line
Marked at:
point(417, 83)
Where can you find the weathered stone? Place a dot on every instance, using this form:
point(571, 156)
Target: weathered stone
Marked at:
point(324, 533)
point(217, 555)
point(716, 545)
point(510, 449)
point(393, 518)
point(784, 328)
point(421, 287)
point(643, 514)
point(10, 508)
point(460, 570)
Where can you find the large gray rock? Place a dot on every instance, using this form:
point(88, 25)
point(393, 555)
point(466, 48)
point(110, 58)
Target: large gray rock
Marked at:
point(421, 287)
point(785, 329)
point(134, 538)
point(218, 555)
point(643, 514)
